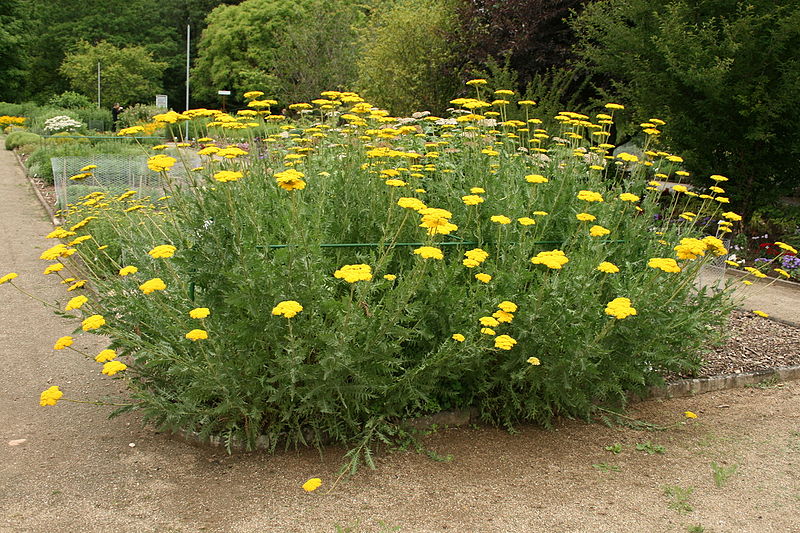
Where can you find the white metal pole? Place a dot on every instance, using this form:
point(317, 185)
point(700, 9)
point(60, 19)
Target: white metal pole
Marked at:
point(98, 85)
point(188, 43)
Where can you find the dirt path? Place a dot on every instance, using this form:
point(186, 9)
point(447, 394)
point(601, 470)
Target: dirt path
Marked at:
point(77, 471)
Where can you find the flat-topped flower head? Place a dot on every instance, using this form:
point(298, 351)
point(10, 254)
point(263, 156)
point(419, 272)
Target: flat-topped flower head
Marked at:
point(200, 312)
point(608, 268)
point(287, 308)
point(63, 342)
point(411, 203)
point(483, 278)
point(598, 231)
point(536, 178)
point(197, 335)
point(590, 196)
point(354, 273)
point(162, 251)
point(665, 264)
point(152, 285)
point(112, 367)
point(500, 219)
point(429, 252)
point(105, 355)
point(620, 308)
point(290, 180)
point(554, 259)
point(76, 303)
point(628, 197)
point(585, 217)
point(8, 277)
point(504, 342)
point(50, 396)
point(690, 248)
point(93, 322)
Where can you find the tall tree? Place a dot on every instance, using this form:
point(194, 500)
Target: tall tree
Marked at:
point(129, 74)
point(12, 55)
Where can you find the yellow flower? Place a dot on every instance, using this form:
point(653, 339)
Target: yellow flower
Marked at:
point(589, 196)
point(76, 303)
point(396, 183)
point(458, 337)
point(76, 285)
point(614, 106)
point(312, 484)
point(477, 190)
point(534, 361)
point(504, 342)
point(488, 331)
point(8, 277)
point(508, 307)
point(730, 215)
point(472, 199)
point(197, 334)
point(747, 282)
point(598, 231)
point(536, 178)
point(224, 176)
point(411, 203)
point(50, 396)
point(436, 221)
point(665, 264)
point(628, 197)
point(483, 278)
point(59, 250)
point(476, 82)
point(554, 259)
point(105, 355)
point(585, 217)
point(252, 94)
point(715, 245)
point(290, 180)
point(620, 308)
point(390, 277)
point(429, 252)
point(287, 308)
point(786, 247)
point(689, 414)
point(783, 273)
point(162, 251)
point(56, 267)
point(722, 200)
point(500, 219)
point(155, 284)
point(761, 314)
point(718, 178)
point(488, 321)
point(128, 270)
point(679, 188)
point(690, 248)
point(608, 268)
point(93, 322)
point(63, 342)
point(161, 162)
point(199, 312)
point(503, 317)
point(475, 257)
point(112, 367)
point(354, 273)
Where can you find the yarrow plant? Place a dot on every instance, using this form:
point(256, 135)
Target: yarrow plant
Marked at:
point(290, 294)
point(62, 124)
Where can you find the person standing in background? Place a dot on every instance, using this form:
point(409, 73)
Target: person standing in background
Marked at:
point(116, 109)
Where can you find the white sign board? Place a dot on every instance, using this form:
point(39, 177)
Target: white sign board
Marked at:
point(161, 101)
point(224, 93)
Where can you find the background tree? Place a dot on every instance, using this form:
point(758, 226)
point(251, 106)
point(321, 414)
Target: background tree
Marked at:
point(12, 57)
point(725, 75)
point(533, 36)
point(409, 62)
point(240, 47)
point(128, 74)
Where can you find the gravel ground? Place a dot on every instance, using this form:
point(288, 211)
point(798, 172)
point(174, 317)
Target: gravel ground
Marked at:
point(755, 343)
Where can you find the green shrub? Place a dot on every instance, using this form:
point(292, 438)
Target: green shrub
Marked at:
point(69, 100)
point(15, 139)
point(423, 321)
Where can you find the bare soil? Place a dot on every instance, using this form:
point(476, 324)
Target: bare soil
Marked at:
point(69, 468)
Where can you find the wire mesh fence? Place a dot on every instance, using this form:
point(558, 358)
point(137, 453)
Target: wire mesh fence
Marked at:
point(114, 174)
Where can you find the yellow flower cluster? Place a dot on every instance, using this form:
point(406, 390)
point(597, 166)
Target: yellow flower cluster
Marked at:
point(504, 342)
point(8, 277)
point(112, 367)
point(665, 264)
point(554, 259)
point(429, 252)
point(287, 308)
point(200, 312)
point(608, 268)
point(290, 180)
point(161, 163)
point(50, 396)
point(620, 308)
point(224, 176)
point(436, 221)
point(590, 196)
point(93, 322)
point(197, 334)
point(354, 273)
point(474, 257)
point(152, 285)
point(598, 231)
point(162, 251)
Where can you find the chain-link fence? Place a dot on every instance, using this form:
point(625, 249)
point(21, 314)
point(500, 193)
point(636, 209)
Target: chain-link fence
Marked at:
point(114, 174)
